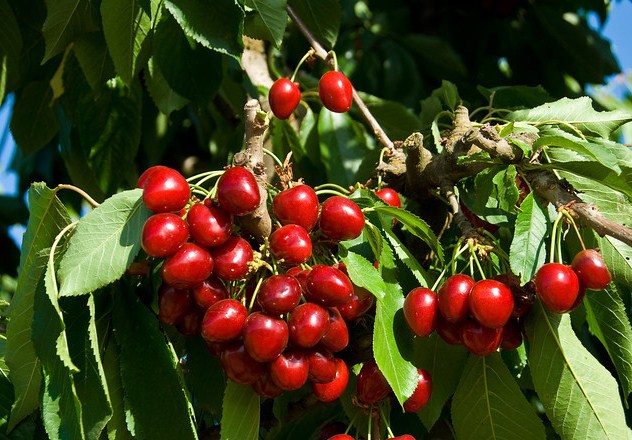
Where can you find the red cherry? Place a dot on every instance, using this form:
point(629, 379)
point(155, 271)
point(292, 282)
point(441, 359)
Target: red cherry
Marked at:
point(421, 395)
point(361, 302)
point(209, 226)
point(403, 437)
point(209, 291)
point(265, 386)
point(296, 206)
point(591, 269)
point(173, 304)
point(142, 180)
point(480, 340)
point(322, 365)
point(231, 258)
point(450, 332)
point(512, 335)
point(238, 191)
point(330, 391)
point(289, 370)
point(372, 385)
point(239, 366)
point(580, 297)
point(341, 219)
point(421, 311)
point(224, 321)
point(292, 244)
point(328, 286)
point(190, 323)
point(491, 303)
point(265, 336)
point(335, 91)
point(389, 196)
point(163, 234)
point(557, 287)
point(189, 266)
point(341, 437)
point(336, 337)
point(279, 294)
point(453, 297)
point(165, 190)
point(307, 324)
point(284, 97)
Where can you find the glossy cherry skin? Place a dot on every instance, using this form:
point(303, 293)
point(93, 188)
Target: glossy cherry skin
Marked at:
point(166, 190)
point(308, 324)
point(372, 385)
point(335, 91)
point(341, 219)
point(189, 266)
point(239, 366)
point(322, 365)
point(296, 206)
point(209, 226)
point(173, 304)
point(209, 291)
point(265, 386)
point(336, 337)
point(557, 287)
point(450, 332)
point(142, 180)
point(292, 244)
point(238, 191)
point(224, 321)
point(265, 336)
point(284, 97)
point(480, 340)
point(330, 391)
point(421, 311)
point(390, 197)
point(328, 286)
point(231, 258)
point(591, 269)
point(341, 437)
point(422, 393)
point(453, 297)
point(491, 303)
point(512, 335)
point(190, 323)
point(289, 371)
point(163, 234)
point(361, 302)
point(279, 294)
point(403, 437)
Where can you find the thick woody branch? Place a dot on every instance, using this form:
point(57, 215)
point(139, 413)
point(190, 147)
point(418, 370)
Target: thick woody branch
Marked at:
point(487, 138)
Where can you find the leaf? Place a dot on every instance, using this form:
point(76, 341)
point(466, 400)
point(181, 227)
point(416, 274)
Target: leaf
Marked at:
point(92, 53)
point(66, 20)
point(10, 45)
point(34, 123)
point(577, 112)
point(528, 248)
point(445, 364)
point(579, 395)
point(48, 217)
point(322, 18)
point(363, 273)
point(406, 257)
point(516, 96)
point(165, 98)
point(273, 16)
point(217, 25)
point(154, 393)
point(494, 194)
point(448, 94)
point(397, 120)
point(240, 419)
point(116, 427)
point(489, 404)
point(204, 377)
point(104, 244)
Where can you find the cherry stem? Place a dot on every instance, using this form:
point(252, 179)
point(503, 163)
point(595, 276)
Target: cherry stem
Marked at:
point(51, 254)
point(379, 175)
point(79, 191)
point(554, 234)
point(572, 222)
point(370, 418)
point(474, 256)
point(332, 192)
point(273, 156)
point(332, 54)
point(386, 423)
point(254, 294)
point(309, 53)
point(200, 190)
point(205, 175)
point(332, 185)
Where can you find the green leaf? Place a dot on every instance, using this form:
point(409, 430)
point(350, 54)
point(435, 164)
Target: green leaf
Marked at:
point(165, 98)
point(10, 45)
point(406, 257)
point(117, 426)
point(204, 376)
point(515, 96)
point(448, 94)
point(154, 393)
point(322, 18)
point(445, 364)
point(92, 53)
point(65, 20)
point(48, 217)
point(489, 404)
point(217, 25)
point(363, 273)
point(104, 244)
point(436, 55)
point(240, 420)
point(578, 112)
point(528, 248)
point(34, 123)
point(397, 120)
point(579, 395)
point(3, 76)
point(273, 17)
point(494, 194)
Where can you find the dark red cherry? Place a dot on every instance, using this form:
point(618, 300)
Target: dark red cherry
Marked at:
point(557, 286)
point(330, 391)
point(422, 393)
point(580, 297)
point(421, 311)
point(292, 244)
point(265, 386)
point(372, 385)
point(209, 291)
point(165, 190)
point(224, 321)
point(190, 323)
point(284, 97)
point(238, 191)
point(341, 219)
point(322, 365)
point(189, 266)
point(142, 180)
point(209, 226)
point(480, 340)
point(279, 294)
point(453, 297)
point(361, 302)
point(307, 324)
point(296, 206)
point(512, 335)
point(389, 196)
point(265, 336)
point(335, 91)
point(328, 286)
point(173, 304)
point(239, 366)
point(450, 332)
point(336, 337)
point(491, 303)
point(403, 437)
point(163, 234)
point(289, 371)
point(341, 437)
point(591, 269)
point(231, 258)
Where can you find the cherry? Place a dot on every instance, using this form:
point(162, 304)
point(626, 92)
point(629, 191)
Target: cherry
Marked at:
point(231, 258)
point(512, 335)
point(279, 294)
point(209, 225)
point(336, 337)
point(341, 437)
point(335, 91)
point(480, 340)
point(361, 302)
point(591, 269)
point(173, 304)
point(163, 234)
point(190, 265)
point(403, 437)
point(292, 244)
point(224, 321)
point(265, 386)
point(289, 371)
point(265, 336)
point(372, 385)
point(189, 324)
point(142, 180)
point(284, 97)
point(389, 196)
point(491, 303)
point(209, 291)
point(580, 297)
point(421, 311)
point(450, 332)
point(328, 286)
point(297, 205)
point(331, 428)
point(165, 190)
point(421, 395)
point(557, 286)
point(239, 366)
point(453, 297)
point(238, 191)
point(307, 324)
point(322, 365)
point(330, 391)
point(341, 219)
